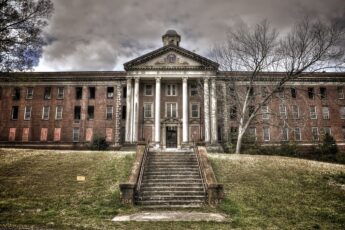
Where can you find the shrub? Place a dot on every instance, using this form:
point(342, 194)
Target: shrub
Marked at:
point(328, 146)
point(99, 143)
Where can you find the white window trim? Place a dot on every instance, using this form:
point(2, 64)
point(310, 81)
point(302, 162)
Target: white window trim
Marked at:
point(330, 130)
point(56, 112)
point(282, 113)
point(325, 113)
point(265, 113)
point(300, 134)
point(148, 103)
point(25, 110)
point(106, 112)
point(166, 109)
point(317, 133)
point(287, 134)
point(294, 112)
point(190, 89)
point(341, 92)
point(43, 112)
point(145, 90)
point(342, 112)
point(269, 133)
point(73, 132)
point(63, 93)
point(167, 90)
point(255, 136)
point(191, 111)
point(313, 115)
point(27, 93)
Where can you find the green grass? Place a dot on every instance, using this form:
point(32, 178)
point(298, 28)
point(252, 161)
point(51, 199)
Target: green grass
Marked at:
point(39, 188)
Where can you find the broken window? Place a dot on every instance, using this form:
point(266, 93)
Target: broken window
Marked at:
point(15, 112)
point(16, 94)
point(323, 93)
point(311, 93)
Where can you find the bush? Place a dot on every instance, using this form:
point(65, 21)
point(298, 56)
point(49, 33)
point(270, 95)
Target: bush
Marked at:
point(99, 143)
point(328, 146)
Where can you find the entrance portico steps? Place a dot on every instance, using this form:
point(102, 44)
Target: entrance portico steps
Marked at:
point(171, 179)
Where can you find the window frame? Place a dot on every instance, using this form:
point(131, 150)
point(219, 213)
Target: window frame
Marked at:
point(90, 108)
point(60, 95)
point(110, 93)
point(340, 92)
point(74, 134)
point(74, 113)
point(146, 90)
point(12, 112)
point(293, 91)
point(265, 113)
point(193, 91)
point(191, 110)
point(299, 133)
point(311, 93)
point(313, 114)
point(325, 113)
point(269, 133)
point(317, 134)
point(92, 92)
point(48, 113)
point(58, 112)
point(31, 95)
point(283, 114)
point(342, 112)
point(151, 109)
point(46, 96)
point(107, 112)
point(285, 130)
point(295, 112)
point(166, 109)
point(26, 111)
point(169, 87)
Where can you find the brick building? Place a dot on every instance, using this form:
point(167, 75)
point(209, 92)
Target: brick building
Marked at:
point(170, 96)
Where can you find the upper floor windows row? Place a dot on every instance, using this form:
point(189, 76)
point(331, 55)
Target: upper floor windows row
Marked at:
point(171, 89)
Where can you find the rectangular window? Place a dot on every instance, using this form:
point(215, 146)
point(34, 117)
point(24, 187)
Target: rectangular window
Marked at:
point(266, 133)
point(265, 112)
point(44, 134)
point(88, 134)
point(323, 93)
point(124, 112)
point(47, 93)
point(16, 94)
point(75, 136)
point(325, 113)
point(311, 93)
point(124, 92)
point(312, 112)
point(282, 112)
point(327, 130)
point(90, 112)
point(171, 90)
point(45, 112)
point(148, 110)
point(78, 93)
point(25, 134)
point(293, 93)
point(92, 92)
point(233, 112)
point(77, 113)
point(58, 112)
point(295, 112)
point(343, 132)
point(171, 110)
point(252, 133)
point(264, 92)
point(109, 112)
point(285, 134)
point(29, 93)
point(297, 132)
point(15, 112)
point(27, 113)
point(342, 112)
point(340, 91)
point(148, 90)
point(193, 89)
point(12, 134)
point(0, 93)
point(110, 92)
point(108, 134)
point(195, 110)
point(281, 92)
point(315, 133)
point(57, 134)
point(60, 92)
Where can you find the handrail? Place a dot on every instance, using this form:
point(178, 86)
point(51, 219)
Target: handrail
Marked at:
point(142, 165)
point(195, 148)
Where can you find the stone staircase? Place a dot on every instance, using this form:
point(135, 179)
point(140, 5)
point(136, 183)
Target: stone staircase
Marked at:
point(171, 179)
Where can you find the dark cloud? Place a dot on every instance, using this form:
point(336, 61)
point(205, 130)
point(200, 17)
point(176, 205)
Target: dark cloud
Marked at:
point(103, 34)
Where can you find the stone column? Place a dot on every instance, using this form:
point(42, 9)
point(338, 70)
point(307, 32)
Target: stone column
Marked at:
point(128, 138)
point(206, 110)
point(136, 110)
point(157, 111)
point(214, 131)
point(185, 110)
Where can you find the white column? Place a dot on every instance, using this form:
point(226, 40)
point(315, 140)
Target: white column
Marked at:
point(206, 111)
point(135, 109)
point(128, 111)
point(185, 110)
point(157, 111)
point(214, 131)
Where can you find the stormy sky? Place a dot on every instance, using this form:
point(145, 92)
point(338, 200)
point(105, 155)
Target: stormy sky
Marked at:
point(103, 34)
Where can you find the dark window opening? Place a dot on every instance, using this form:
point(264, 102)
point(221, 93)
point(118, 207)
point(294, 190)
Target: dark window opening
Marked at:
point(110, 92)
point(92, 92)
point(78, 93)
point(293, 93)
point(323, 93)
point(0, 93)
point(47, 93)
point(77, 113)
point(16, 94)
point(124, 112)
point(311, 93)
point(124, 92)
point(233, 112)
point(251, 110)
point(90, 112)
point(15, 112)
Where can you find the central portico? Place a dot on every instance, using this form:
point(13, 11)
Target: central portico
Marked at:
point(171, 97)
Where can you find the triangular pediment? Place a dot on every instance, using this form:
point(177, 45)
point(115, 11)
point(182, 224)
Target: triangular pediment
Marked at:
point(171, 57)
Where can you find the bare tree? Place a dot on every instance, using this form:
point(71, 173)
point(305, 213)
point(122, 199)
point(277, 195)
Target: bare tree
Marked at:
point(311, 46)
point(21, 24)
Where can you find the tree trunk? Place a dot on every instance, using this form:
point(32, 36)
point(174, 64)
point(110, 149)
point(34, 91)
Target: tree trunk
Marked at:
point(239, 143)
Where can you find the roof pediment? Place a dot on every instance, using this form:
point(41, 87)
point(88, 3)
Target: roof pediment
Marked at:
point(171, 57)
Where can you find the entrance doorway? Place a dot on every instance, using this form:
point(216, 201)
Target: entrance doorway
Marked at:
point(171, 136)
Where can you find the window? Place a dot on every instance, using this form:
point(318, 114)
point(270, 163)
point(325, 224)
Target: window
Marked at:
point(57, 134)
point(315, 133)
point(312, 112)
point(108, 134)
point(47, 93)
point(297, 132)
point(110, 92)
point(171, 110)
point(285, 134)
point(342, 112)
point(25, 134)
point(92, 92)
point(58, 112)
point(0, 93)
point(343, 131)
point(15, 112)
point(29, 93)
point(233, 133)
point(265, 113)
point(90, 112)
point(281, 93)
point(77, 113)
point(193, 89)
point(148, 110)
point(148, 90)
point(124, 92)
point(340, 90)
point(264, 92)
point(12, 134)
point(44, 134)
point(233, 112)
point(124, 112)
point(282, 112)
point(60, 93)
point(266, 133)
point(27, 113)
point(252, 133)
point(45, 112)
point(171, 90)
point(293, 93)
point(295, 112)
point(16, 94)
point(327, 130)
point(311, 93)
point(325, 113)
point(323, 93)
point(251, 110)
point(78, 93)
point(195, 110)
point(88, 134)
point(109, 112)
point(75, 134)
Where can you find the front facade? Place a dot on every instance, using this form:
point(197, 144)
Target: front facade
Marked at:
point(170, 97)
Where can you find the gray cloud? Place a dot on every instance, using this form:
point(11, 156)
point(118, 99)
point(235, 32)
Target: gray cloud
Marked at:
point(103, 34)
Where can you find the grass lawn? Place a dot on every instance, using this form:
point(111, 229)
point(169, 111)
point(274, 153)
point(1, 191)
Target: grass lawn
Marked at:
point(39, 188)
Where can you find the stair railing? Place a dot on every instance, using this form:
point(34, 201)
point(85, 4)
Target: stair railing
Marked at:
point(201, 171)
point(142, 166)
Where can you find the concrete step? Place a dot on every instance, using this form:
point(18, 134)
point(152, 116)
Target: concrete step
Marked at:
point(173, 176)
point(175, 197)
point(171, 184)
point(172, 206)
point(185, 180)
point(168, 173)
point(172, 193)
point(157, 168)
point(160, 188)
point(170, 202)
